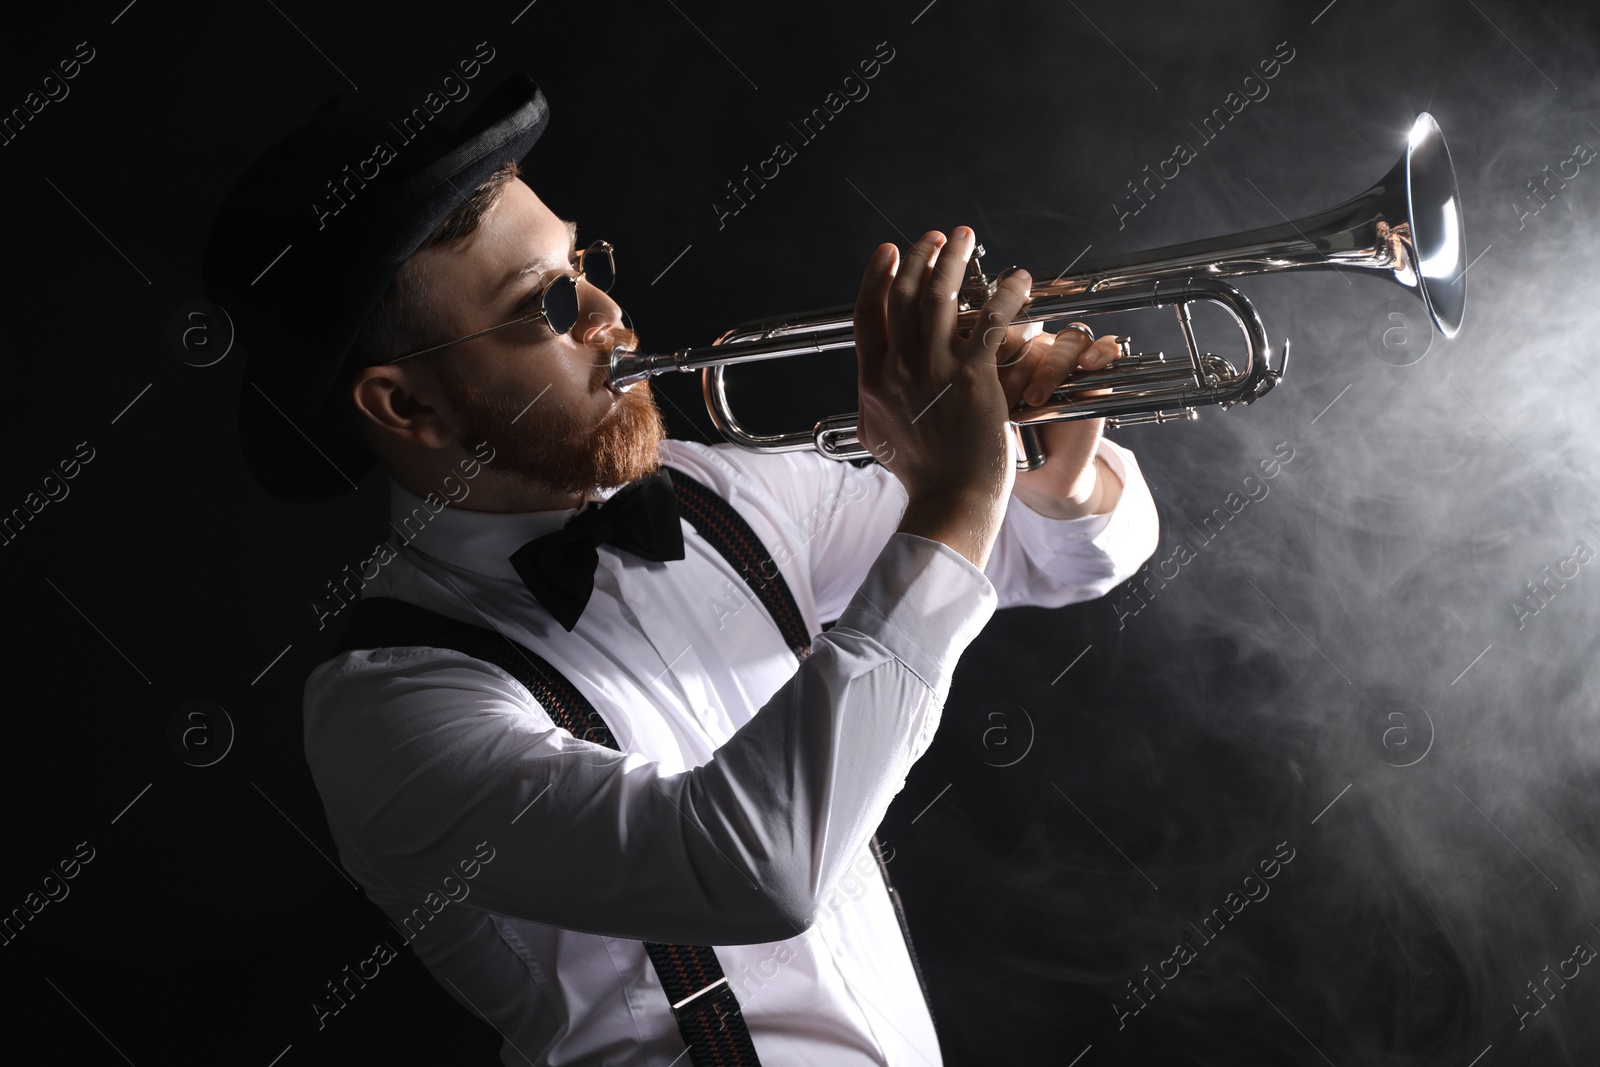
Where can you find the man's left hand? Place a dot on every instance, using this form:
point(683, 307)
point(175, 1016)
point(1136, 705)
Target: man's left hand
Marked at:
point(1072, 483)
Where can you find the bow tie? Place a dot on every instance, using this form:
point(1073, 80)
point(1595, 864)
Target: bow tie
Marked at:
point(558, 568)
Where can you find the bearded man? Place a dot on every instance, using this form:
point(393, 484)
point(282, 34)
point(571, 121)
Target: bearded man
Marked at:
point(587, 739)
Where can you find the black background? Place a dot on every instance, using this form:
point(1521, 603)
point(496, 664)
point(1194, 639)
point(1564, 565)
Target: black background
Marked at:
point(1186, 744)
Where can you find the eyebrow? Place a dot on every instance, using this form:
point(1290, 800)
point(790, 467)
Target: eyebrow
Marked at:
point(539, 266)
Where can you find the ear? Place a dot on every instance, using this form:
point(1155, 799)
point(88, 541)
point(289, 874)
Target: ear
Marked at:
point(402, 401)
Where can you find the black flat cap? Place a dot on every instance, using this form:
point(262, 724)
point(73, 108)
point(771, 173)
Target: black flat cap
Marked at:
point(309, 238)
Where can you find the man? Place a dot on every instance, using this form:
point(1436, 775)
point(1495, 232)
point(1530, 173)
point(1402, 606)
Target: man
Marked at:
point(550, 876)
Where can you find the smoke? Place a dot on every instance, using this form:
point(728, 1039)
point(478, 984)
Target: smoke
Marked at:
point(1380, 656)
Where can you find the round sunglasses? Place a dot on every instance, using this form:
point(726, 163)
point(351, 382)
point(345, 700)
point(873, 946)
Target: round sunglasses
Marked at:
point(558, 303)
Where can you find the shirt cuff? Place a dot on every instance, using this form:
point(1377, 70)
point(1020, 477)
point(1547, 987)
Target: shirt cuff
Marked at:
point(925, 602)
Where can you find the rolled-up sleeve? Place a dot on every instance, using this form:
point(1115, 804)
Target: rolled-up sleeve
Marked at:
point(416, 751)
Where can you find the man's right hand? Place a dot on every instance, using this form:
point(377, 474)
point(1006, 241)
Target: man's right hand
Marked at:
point(933, 410)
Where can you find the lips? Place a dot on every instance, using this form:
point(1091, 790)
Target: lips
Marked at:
point(606, 377)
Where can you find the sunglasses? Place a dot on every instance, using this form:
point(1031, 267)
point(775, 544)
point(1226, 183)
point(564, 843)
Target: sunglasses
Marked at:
point(558, 303)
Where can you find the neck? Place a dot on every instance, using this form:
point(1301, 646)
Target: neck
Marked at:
point(489, 490)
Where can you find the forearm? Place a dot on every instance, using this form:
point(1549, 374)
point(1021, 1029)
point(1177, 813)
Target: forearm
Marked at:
point(802, 787)
point(1047, 560)
point(1066, 487)
point(737, 850)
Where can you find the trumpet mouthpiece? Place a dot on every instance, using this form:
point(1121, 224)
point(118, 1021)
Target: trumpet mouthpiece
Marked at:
point(629, 367)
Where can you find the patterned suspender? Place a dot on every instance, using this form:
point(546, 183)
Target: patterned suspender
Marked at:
point(725, 530)
point(701, 998)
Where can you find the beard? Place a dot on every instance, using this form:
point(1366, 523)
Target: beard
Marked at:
point(549, 446)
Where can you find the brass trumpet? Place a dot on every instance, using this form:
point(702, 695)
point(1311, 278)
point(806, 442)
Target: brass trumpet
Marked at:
point(1406, 227)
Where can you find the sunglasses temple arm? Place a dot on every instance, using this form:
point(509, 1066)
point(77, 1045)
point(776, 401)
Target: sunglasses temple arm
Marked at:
point(470, 337)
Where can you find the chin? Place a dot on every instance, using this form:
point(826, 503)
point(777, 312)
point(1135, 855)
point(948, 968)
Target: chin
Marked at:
point(626, 442)
point(615, 442)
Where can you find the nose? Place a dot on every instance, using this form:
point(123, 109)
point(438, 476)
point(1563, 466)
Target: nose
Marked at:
point(597, 312)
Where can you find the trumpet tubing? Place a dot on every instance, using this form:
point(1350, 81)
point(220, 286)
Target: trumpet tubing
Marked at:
point(1407, 228)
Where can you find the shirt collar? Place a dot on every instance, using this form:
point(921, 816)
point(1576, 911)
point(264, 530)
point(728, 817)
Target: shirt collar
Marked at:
point(477, 541)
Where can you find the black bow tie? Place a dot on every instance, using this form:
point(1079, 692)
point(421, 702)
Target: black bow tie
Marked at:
point(641, 518)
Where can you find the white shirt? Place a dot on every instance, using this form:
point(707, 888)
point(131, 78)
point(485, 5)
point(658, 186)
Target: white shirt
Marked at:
point(525, 868)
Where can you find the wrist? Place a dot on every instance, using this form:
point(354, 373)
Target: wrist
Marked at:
point(967, 522)
point(948, 504)
point(1093, 492)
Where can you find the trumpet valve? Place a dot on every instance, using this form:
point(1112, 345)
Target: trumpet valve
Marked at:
point(977, 288)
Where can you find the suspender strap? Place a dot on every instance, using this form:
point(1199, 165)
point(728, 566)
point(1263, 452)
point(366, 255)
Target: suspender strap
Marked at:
point(704, 1003)
point(714, 519)
point(725, 530)
point(707, 1011)
point(381, 622)
point(905, 930)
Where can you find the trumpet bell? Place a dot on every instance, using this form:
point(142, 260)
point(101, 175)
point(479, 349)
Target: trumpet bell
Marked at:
point(1438, 234)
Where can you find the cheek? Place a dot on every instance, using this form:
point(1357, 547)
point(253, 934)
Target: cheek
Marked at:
point(532, 363)
point(571, 377)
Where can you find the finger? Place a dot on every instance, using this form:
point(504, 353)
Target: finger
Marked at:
point(1053, 366)
point(1077, 334)
point(1024, 346)
point(904, 322)
point(871, 314)
point(1102, 353)
point(997, 315)
point(1015, 376)
point(1075, 338)
point(1018, 336)
point(938, 305)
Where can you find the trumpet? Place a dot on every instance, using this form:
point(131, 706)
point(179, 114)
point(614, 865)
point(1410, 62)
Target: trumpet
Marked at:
point(1407, 227)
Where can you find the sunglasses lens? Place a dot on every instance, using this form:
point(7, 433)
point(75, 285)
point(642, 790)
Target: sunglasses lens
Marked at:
point(599, 268)
point(561, 303)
